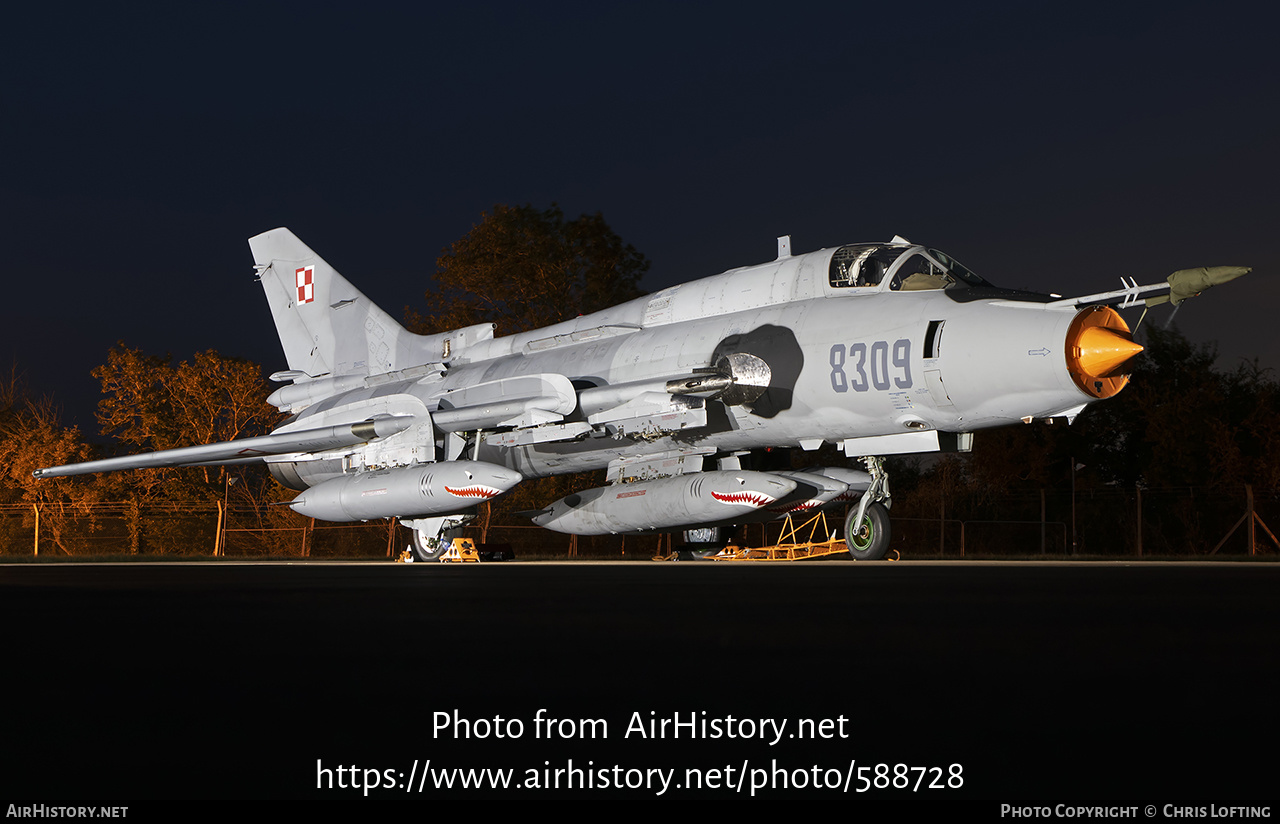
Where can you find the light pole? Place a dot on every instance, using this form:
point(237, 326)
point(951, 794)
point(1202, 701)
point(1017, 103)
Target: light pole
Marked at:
point(221, 543)
point(1074, 543)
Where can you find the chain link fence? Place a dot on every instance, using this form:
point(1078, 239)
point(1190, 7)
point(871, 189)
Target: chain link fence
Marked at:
point(1097, 523)
point(1094, 523)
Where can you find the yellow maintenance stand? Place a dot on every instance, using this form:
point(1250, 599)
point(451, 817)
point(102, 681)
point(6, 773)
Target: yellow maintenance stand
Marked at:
point(810, 539)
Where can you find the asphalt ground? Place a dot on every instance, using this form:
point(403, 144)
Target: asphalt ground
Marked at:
point(1043, 682)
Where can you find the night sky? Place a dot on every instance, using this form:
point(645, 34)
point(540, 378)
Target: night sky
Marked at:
point(1048, 146)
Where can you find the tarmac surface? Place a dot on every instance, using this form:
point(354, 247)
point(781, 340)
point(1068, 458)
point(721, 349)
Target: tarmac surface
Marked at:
point(1144, 681)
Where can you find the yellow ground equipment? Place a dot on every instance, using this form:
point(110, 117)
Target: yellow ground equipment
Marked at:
point(810, 539)
point(461, 551)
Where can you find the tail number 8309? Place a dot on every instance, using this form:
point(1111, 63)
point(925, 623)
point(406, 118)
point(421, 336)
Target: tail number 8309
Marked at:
point(871, 366)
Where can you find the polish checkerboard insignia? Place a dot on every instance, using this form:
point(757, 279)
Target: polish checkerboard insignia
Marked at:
point(306, 286)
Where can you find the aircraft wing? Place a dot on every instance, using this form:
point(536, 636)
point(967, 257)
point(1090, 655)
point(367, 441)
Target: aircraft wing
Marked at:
point(246, 449)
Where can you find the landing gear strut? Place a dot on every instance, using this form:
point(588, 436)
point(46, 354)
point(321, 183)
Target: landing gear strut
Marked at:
point(866, 529)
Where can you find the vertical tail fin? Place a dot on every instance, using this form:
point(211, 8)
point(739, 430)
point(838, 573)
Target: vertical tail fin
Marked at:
point(328, 327)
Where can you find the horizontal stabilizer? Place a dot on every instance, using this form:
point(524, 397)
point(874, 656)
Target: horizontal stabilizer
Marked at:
point(245, 450)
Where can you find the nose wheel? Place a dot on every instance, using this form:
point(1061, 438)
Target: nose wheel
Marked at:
point(866, 528)
point(868, 540)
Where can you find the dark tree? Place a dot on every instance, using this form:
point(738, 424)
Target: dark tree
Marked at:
point(522, 268)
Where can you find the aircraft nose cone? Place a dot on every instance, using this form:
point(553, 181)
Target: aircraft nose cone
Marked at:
point(1103, 351)
point(1098, 345)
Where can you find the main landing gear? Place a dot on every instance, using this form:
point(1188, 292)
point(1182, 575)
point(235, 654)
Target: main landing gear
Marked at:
point(432, 537)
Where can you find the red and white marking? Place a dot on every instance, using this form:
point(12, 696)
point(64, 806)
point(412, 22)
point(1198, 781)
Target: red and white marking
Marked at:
point(802, 506)
point(306, 284)
point(474, 491)
point(747, 496)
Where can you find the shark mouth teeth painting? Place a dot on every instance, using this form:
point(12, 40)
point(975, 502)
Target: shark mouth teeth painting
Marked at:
point(746, 496)
point(803, 506)
point(474, 491)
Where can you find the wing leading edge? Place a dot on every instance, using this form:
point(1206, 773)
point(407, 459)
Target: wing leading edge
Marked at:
point(247, 449)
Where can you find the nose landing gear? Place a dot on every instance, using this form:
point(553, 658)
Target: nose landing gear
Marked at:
point(866, 529)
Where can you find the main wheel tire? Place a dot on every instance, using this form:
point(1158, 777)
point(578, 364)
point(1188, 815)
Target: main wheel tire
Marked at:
point(868, 541)
point(706, 535)
point(425, 548)
point(700, 544)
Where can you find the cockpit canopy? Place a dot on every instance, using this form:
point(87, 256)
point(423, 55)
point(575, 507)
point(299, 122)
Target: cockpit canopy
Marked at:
point(907, 268)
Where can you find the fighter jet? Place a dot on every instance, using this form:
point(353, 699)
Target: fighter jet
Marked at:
point(879, 348)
